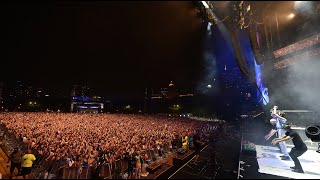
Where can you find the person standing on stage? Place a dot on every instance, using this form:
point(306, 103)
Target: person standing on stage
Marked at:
point(278, 121)
point(272, 132)
point(299, 147)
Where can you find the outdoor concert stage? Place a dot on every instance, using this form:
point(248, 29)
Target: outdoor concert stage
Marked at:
point(265, 163)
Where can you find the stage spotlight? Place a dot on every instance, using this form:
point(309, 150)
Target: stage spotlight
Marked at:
point(290, 16)
point(313, 132)
point(205, 4)
point(209, 27)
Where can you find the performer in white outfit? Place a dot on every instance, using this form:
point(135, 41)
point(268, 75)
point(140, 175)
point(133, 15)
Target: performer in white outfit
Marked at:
point(278, 121)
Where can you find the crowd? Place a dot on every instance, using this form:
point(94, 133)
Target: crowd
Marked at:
point(91, 139)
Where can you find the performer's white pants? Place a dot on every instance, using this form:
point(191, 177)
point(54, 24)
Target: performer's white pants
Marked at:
point(282, 144)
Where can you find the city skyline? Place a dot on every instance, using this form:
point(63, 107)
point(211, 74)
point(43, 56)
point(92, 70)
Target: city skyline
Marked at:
point(28, 89)
point(21, 90)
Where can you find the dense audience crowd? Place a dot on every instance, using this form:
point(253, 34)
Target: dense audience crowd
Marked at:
point(90, 139)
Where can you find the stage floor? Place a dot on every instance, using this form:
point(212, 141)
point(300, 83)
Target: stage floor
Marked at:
point(270, 163)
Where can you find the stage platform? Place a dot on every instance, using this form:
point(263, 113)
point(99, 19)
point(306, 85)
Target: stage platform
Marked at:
point(265, 163)
point(270, 163)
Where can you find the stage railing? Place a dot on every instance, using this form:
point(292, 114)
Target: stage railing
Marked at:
point(10, 141)
point(110, 171)
point(239, 165)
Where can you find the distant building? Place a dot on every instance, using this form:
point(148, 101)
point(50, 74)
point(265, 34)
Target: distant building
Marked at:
point(146, 95)
point(40, 92)
point(164, 92)
point(80, 90)
point(165, 99)
point(75, 91)
point(29, 91)
point(185, 92)
point(19, 89)
point(172, 91)
point(22, 90)
point(85, 90)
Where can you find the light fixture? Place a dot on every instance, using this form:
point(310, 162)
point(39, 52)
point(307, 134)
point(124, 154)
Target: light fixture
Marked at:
point(290, 16)
point(205, 4)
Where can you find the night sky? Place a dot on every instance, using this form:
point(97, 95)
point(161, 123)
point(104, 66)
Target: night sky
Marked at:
point(116, 48)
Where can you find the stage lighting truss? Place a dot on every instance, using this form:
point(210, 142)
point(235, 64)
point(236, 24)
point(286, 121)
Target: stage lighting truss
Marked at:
point(208, 9)
point(242, 14)
point(311, 41)
point(301, 57)
point(298, 46)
